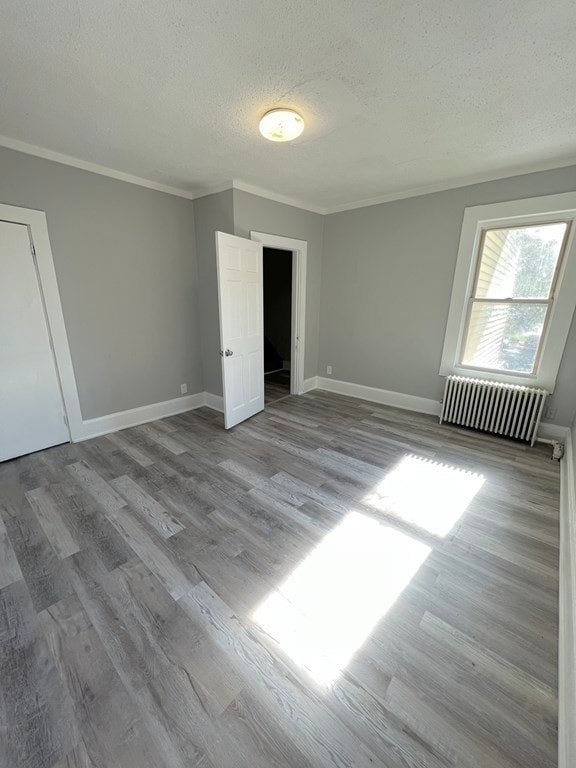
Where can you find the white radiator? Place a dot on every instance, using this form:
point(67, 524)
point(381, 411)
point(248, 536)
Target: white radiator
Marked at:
point(504, 409)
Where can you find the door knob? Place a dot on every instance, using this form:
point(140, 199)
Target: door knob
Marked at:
point(228, 353)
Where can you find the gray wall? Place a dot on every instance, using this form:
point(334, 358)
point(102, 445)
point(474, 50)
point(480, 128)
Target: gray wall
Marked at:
point(278, 300)
point(126, 269)
point(261, 215)
point(387, 275)
point(213, 213)
point(239, 213)
point(139, 326)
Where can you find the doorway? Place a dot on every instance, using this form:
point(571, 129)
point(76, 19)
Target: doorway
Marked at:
point(277, 288)
point(298, 250)
point(239, 268)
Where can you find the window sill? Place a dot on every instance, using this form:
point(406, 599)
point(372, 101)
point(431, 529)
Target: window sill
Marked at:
point(525, 380)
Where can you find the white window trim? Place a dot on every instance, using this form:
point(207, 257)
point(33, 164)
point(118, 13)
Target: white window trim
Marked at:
point(38, 231)
point(537, 209)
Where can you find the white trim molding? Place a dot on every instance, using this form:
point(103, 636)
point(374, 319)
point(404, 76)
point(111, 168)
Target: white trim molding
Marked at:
point(37, 226)
point(310, 384)
point(567, 628)
point(275, 197)
point(103, 425)
point(546, 431)
point(477, 219)
point(381, 396)
point(101, 170)
point(441, 186)
point(448, 184)
point(215, 402)
point(299, 249)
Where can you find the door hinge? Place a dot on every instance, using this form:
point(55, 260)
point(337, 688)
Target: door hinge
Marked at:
point(65, 419)
point(32, 249)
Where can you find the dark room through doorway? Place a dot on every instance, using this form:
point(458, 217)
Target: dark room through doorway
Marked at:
point(277, 323)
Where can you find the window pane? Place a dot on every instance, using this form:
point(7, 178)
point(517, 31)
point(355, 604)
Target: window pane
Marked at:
point(519, 262)
point(504, 336)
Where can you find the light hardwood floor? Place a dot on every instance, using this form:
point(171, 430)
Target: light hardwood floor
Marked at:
point(276, 386)
point(167, 595)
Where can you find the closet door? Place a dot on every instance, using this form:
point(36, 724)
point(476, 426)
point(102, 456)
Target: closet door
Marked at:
point(32, 413)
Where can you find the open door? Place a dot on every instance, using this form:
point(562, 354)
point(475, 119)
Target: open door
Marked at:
point(240, 291)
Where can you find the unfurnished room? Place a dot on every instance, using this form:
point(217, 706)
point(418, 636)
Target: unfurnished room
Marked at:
point(287, 384)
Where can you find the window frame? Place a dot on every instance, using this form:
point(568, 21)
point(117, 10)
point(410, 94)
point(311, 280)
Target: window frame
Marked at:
point(561, 302)
point(547, 302)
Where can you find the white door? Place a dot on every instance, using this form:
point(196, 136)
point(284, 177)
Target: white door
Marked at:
point(240, 290)
point(31, 407)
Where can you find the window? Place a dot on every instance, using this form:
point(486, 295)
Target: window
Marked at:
point(514, 291)
point(512, 296)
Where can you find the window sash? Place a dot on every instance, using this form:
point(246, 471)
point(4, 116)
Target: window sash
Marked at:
point(531, 224)
point(539, 350)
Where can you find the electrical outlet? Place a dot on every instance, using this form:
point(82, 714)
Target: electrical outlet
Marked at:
point(183, 388)
point(329, 370)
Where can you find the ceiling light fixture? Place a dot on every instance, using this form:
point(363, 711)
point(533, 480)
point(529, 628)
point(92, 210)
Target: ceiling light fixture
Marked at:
point(281, 125)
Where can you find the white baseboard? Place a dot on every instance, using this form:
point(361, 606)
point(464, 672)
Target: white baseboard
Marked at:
point(567, 632)
point(216, 402)
point(309, 384)
point(382, 396)
point(548, 431)
point(135, 416)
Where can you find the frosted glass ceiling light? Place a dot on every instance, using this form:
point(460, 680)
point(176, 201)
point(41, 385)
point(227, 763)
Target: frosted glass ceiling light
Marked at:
point(281, 125)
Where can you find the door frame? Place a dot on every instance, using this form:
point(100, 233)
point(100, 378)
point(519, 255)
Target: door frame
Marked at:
point(299, 250)
point(41, 252)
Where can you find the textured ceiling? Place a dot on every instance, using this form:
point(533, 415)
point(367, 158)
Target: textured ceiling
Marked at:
point(397, 95)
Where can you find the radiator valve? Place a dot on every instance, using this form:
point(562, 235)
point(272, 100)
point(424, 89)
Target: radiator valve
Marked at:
point(557, 450)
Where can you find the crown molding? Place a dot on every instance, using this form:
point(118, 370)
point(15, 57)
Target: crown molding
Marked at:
point(216, 189)
point(269, 195)
point(444, 186)
point(102, 170)
point(83, 165)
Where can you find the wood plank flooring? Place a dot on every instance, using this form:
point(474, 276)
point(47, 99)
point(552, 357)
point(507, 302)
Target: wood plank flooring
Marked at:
point(331, 584)
point(276, 386)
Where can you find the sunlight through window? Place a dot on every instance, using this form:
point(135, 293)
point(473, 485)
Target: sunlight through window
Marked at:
point(329, 605)
point(430, 495)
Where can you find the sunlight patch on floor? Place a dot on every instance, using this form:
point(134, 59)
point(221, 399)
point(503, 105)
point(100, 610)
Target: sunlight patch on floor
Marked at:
point(329, 605)
point(426, 493)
